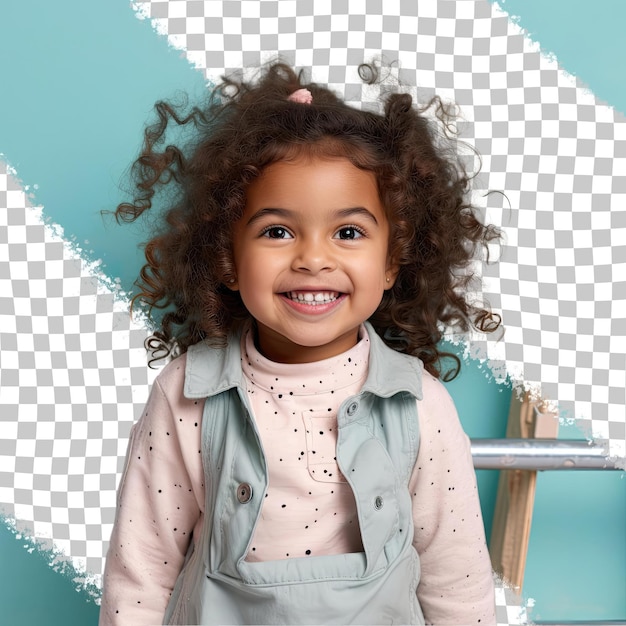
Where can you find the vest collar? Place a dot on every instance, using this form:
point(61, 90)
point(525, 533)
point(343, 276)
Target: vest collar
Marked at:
point(211, 370)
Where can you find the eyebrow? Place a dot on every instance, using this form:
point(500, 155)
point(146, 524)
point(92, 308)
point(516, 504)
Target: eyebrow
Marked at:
point(340, 213)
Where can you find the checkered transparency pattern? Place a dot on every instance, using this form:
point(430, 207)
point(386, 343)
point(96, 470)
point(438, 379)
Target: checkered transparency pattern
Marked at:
point(557, 156)
point(73, 378)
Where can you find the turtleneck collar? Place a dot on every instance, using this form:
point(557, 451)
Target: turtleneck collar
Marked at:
point(210, 370)
point(305, 378)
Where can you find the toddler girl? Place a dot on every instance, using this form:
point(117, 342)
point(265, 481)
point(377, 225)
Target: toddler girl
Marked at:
point(300, 462)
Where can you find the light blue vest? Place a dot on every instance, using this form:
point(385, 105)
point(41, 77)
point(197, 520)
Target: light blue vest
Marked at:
point(377, 445)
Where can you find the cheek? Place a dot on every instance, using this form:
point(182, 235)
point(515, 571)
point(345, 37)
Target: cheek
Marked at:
point(256, 273)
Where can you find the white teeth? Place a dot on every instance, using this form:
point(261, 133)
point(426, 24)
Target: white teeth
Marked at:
point(321, 297)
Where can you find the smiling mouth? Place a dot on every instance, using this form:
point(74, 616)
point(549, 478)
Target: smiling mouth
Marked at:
point(313, 298)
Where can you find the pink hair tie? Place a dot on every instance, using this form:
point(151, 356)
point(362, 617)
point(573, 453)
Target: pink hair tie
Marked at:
point(303, 96)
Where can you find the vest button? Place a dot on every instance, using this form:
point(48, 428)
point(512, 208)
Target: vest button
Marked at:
point(353, 408)
point(378, 503)
point(244, 493)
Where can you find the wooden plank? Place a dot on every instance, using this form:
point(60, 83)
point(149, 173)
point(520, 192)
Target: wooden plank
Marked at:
point(516, 493)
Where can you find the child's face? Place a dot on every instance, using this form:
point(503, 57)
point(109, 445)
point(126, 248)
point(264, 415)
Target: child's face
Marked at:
point(310, 254)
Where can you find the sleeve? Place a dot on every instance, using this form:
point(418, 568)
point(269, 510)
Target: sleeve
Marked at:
point(158, 504)
point(456, 584)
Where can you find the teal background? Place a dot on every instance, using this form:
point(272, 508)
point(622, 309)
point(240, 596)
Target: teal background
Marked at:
point(586, 37)
point(78, 82)
point(32, 593)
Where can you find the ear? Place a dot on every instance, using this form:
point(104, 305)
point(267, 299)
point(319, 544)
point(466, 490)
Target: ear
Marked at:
point(232, 284)
point(391, 273)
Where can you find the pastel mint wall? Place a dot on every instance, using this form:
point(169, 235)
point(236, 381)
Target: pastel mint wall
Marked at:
point(578, 537)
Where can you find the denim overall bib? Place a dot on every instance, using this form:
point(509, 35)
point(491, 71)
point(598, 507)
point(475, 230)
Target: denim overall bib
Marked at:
point(377, 445)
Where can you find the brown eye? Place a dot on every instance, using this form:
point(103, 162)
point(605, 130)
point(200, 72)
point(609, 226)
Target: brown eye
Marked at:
point(349, 232)
point(276, 232)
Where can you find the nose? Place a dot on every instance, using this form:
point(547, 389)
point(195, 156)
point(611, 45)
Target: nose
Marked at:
point(314, 255)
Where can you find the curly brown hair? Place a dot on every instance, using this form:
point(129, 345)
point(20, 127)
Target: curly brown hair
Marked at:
point(435, 233)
